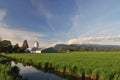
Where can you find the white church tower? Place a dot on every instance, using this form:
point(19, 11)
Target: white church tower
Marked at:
point(36, 44)
point(36, 48)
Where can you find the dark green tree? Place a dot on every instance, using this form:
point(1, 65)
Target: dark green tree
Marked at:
point(24, 46)
point(16, 48)
point(0, 46)
point(83, 49)
point(5, 46)
point(0, 39)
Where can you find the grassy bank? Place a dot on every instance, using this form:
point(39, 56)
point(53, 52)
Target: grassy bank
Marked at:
point(6, 71)
point(93, 65)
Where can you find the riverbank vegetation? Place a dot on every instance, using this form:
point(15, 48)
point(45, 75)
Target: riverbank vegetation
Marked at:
point(7, 72)
point(83, 65)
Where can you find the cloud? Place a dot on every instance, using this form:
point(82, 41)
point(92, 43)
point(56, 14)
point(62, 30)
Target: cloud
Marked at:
point(8, 32)
point(85, 23)
point(95, 40)
point(56, 42)
point(45, 12)
point(2, 14)
point(18, 35)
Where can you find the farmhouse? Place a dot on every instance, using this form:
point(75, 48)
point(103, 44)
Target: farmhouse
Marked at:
point(36, 48)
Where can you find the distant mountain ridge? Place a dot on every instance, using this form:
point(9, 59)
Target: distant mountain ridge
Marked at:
point(88, 46)
point(81, 47)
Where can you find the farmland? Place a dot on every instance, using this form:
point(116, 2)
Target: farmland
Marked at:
point(95, 65)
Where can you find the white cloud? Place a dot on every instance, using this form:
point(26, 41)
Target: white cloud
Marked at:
point(94, 27)
point(2, 14)
point(95, 40)
point(18, 35)
point(56, 42)
point(84, 25)
point(45, 12)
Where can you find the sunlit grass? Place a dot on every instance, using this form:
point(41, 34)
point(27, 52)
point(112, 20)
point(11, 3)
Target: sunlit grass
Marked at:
point(104, 64)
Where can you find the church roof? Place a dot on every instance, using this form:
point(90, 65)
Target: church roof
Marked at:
point(36, 49)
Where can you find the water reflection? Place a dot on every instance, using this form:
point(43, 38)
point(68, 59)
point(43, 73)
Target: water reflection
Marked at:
point(31, 73)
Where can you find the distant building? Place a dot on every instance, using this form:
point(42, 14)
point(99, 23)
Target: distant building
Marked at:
point(36, 44)
point(36, 48)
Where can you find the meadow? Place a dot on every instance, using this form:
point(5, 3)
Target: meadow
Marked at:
point(94, 65)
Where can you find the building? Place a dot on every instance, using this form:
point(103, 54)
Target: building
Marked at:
point(36, 48)
point(36, 44)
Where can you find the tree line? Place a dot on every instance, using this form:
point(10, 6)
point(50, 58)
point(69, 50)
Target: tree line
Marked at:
point(7, 47)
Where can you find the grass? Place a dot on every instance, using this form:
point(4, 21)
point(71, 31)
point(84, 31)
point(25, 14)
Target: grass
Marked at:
point(6, 71)
point(97, 65)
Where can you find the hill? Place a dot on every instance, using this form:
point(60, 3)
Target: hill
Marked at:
point(88, 47)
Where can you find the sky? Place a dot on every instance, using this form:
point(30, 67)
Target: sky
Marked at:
point(53, 22)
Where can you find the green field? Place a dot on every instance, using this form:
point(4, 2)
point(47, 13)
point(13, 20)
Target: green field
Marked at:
point(101, 65)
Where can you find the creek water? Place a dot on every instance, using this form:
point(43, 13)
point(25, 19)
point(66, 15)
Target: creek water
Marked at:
point(31, 73)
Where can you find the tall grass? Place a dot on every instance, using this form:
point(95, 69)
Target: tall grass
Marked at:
point(95, 65)
point(6, 71)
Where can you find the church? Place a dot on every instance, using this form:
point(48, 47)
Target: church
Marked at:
point(36, 48)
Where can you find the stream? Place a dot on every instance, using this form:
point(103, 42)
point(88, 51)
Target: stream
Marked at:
point(31, 73)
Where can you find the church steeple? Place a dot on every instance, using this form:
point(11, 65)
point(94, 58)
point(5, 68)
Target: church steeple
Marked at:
point(36, 44)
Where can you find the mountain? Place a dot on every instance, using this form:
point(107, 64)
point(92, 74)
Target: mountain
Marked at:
point(89, 47)
point(49, 50)
point(81, 47)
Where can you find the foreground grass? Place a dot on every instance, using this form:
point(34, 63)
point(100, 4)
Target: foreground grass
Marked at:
point(98, 65)
point(6, 71)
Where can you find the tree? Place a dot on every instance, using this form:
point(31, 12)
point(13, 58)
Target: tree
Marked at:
point(24, 46)
point(94, 49)
point(0, 46)
point(16, 48)
point(5, 46)
point(83, 49)
point(0, 39)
